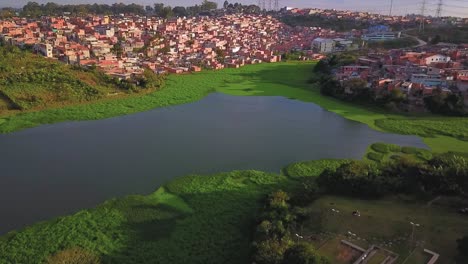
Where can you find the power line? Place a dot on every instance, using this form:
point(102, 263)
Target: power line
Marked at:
point(423, 10)
point(439, 8)
point(391, 7)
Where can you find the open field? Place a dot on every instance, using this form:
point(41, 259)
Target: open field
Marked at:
point(386, 223)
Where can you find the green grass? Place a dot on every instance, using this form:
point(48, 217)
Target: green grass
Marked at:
point(383, 152)
point(311, 168)
point(334, 250)
point(384, 221)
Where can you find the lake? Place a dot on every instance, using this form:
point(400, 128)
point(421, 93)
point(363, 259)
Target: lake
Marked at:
point(53, 170)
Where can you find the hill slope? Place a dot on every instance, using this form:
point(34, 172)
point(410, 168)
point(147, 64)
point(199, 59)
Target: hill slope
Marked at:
point(30, 82)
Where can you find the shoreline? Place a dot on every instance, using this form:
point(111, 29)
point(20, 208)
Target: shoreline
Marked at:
point(287, 79)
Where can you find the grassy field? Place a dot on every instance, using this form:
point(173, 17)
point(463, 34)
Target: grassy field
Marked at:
point(386, 223)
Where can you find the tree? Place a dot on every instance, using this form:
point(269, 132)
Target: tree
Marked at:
point(357, 89)
point(208, 5)
point(322, 67)
point(158, 9)
point(117, 49)
point(303, 253)
point(436, 39)
point(356, 178)
point(271, 251)
point(463, 247)
point(180, 11)
point(167, 12)
point(6, 13)
point(226, 4)
point(149, 9)
point(32, 9)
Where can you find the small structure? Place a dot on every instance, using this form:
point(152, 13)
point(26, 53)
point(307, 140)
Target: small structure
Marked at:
point(434, 255)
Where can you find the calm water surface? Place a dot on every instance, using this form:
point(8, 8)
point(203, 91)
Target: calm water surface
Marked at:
point(58, 169)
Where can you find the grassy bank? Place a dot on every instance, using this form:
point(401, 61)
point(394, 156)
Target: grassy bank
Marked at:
point(282, 79)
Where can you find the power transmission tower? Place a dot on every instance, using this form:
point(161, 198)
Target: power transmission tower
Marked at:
point(270, 5)
point(262, 4)
point(277, 8)
point(439, 8)
point(423, 19)
point(391, 8)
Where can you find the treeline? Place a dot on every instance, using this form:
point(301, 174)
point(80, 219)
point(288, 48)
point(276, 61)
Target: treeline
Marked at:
point(358, 90)
point(393, 44)
point(317, 20)
point(33, 9)
point(275, 241)
point(445, 174)
point(445, 33)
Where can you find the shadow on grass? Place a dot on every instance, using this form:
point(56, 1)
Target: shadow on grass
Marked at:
point(218, 231)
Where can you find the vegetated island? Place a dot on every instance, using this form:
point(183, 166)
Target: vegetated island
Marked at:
point(288, 79)
point(302, 214)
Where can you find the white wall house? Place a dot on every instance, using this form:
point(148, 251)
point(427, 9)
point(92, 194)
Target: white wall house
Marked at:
point(437, 59)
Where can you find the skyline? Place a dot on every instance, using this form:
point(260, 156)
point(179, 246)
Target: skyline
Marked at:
point(451, 7)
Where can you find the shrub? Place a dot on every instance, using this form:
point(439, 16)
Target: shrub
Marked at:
point(380, 147)
point(409, 150)
point(378, 157)
point(303, 253)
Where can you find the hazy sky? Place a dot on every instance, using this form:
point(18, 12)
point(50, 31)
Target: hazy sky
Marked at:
point(451, 7)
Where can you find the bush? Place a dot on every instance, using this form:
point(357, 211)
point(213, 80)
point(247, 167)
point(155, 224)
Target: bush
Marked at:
point(410, 150)
point(303, 253)
point(424, 154)
point(380, 147)
point(375, 156)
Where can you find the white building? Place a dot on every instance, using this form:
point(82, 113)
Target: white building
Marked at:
point(323, 45)
point(437, 59)
point(44, 49)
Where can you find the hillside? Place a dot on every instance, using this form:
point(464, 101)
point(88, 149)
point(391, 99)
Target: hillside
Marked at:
point(31, 82)
point(450, 34)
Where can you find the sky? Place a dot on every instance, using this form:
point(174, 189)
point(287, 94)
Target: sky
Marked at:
point(451, 7)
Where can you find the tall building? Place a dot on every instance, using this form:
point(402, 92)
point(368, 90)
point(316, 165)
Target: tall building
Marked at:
point(323, 45)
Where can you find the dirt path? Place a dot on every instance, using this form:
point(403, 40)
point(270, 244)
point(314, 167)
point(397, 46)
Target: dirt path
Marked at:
point(429, 204)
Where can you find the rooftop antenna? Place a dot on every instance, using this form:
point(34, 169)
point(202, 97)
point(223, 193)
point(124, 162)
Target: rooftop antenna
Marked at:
point(439, 8)
point(423, 19)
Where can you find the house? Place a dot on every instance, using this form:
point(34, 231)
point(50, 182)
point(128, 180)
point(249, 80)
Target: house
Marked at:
point(437, 59)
